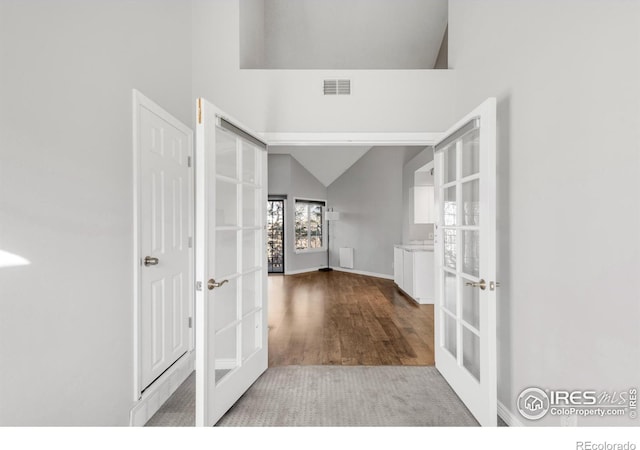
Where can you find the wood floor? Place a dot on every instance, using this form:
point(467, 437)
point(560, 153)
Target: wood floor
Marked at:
point(338, 318)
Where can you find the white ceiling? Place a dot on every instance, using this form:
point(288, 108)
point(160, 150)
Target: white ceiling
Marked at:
point(325, 163)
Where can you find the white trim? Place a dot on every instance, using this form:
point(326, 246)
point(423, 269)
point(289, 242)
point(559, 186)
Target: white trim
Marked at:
point(509, 418)
point(298, 272)
point(138, 100)
point(363, 272)
point(310, 250)
point(356, 139)
point(161, 389)
point(226, 363)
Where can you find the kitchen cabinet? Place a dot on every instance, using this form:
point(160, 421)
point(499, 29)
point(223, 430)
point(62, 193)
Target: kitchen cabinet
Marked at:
point(414, 272)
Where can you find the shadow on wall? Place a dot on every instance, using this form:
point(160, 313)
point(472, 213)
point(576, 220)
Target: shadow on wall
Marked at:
point(504, 297)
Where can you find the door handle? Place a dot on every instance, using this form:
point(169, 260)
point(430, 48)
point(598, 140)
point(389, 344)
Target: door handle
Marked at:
point(212, 284)
point(151, 261)
point(481, 284)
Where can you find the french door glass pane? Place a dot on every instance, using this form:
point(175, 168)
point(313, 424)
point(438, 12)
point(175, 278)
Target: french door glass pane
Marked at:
point(249, 163)
point(450, 163)
point(471, 252)
point(471, 352)
point(226, 254)
point(471, 153)
point(226, 305)
point(471, 305)
point(450, 292)
point(249, 250)
point(251, 283)
point(250, 334)
point(226, 204)
point(449, 207)
point(226, 154)
point(450, 248)
point(249, 206)
point(226, 352)
point(471, 203)
point(450, 337)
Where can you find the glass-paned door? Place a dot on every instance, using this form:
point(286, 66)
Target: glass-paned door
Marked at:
point(231, 309)
point(275, 235)
point(465, 179)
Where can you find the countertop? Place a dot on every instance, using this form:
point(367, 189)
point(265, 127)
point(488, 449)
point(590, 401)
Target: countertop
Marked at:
point(415, 247)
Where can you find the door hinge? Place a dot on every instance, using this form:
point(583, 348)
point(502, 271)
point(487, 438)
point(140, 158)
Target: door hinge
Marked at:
point(188, 161)
point(190, 242)
point(200, 110)
point(190, 322)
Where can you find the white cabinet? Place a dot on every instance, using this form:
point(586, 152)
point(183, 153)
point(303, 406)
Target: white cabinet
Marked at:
point(398, 264)
point(408, 276)
point(413, 272)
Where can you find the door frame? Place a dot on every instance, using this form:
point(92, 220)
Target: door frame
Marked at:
point(374, 139)
point(140, 101)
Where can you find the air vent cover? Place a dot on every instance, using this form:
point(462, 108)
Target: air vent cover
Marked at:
point(337, 87)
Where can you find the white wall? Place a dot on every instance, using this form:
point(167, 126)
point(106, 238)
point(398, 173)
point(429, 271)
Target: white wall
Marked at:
point(216, 64)
point(354, 34)
point(68, 68)
point(288, 177)
point(410, 230)
point(292, 100)
point(566, 78)
point(369, 198)
point(381, 100)
point(251, 34)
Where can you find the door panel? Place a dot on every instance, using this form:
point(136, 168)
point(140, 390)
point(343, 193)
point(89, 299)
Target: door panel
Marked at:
point(465, 319)
point(231, 312)
point(165, 199)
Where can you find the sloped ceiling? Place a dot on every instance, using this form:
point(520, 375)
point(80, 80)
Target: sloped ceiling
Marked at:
point(325, 163)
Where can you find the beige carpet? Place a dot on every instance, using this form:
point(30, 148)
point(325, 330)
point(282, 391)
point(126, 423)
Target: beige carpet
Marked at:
point(332, 396)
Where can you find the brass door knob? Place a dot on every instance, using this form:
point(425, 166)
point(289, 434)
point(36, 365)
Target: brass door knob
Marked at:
point(212, 284)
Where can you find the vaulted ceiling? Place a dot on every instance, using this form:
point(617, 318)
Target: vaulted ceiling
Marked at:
point(325, 163)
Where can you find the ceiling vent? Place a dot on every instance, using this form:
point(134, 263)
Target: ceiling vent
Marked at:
point(337, 87)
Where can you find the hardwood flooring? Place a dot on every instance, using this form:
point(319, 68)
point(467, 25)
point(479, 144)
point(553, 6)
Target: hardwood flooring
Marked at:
point(338, 318)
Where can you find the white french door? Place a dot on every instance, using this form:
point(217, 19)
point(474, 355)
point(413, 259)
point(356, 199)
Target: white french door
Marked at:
point(231, 308)
point(465, 315)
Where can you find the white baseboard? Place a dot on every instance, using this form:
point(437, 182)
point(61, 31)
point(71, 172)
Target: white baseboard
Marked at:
point(362, 272)
point(161, 389)
point(297, 272)
point(509, 418)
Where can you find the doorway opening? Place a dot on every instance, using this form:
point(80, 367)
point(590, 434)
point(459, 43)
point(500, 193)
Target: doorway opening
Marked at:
point(275, 235)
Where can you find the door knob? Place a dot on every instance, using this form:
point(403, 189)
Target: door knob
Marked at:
point(151, 261)
point(212, 284)
point(481, 284)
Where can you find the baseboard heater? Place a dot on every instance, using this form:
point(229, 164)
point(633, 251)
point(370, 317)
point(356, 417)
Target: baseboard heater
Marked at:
point(346, 257)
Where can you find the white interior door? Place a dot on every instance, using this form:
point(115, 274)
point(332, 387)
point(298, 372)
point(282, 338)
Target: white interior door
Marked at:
point(465, 316)
point(165, 197)
point(231, 269)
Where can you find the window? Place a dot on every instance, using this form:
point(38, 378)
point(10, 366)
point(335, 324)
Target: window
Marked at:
point(309, 225)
